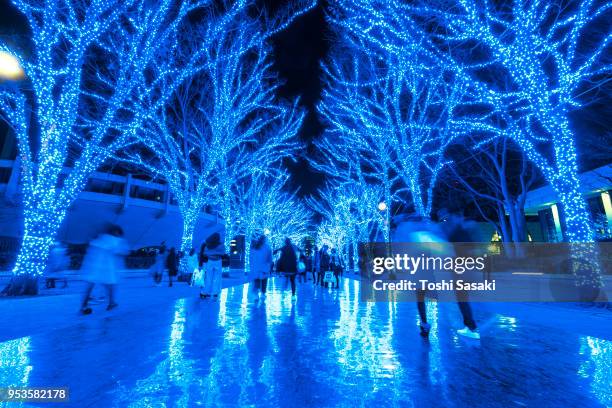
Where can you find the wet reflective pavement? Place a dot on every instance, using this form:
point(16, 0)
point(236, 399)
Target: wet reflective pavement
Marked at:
point(328, 349)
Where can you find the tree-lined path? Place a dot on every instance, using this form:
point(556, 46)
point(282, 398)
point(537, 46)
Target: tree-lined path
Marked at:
point(327, 349)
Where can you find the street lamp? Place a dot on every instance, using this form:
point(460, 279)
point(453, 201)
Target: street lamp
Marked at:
point(382, 206)
point(10, 67)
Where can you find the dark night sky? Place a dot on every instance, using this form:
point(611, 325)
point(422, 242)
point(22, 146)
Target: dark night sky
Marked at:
point(298, 53)
point(11, 21)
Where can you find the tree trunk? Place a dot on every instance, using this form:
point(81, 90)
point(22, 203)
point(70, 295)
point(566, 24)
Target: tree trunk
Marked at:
point(247, 260)
point(417, 197)
point(578, 226)
point(229, 233)
point(579, 231)
point(517, 221)
point(506, 236)
point(503, 224)
point(21, 285)
point(36, 245)
point(189, 223)
point(227, 241)
point(566, 183)
point(248, 235)
point(355, 256)
point(521, 223)
point(387, 211)
point(513, 222)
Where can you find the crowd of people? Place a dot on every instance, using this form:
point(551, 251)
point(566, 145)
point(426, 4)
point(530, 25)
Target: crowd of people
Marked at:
point(203, 268)
point(323, 266)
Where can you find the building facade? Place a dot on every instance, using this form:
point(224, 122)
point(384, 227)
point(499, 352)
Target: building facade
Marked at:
point(596, 187)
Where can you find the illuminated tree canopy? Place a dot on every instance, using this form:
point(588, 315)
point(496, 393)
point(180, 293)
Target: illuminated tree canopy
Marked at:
point(188, 91)
point(526, 63)
point(223, 125)
point(97, 73)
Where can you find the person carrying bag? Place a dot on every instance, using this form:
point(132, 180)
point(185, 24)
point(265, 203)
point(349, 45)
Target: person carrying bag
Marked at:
point(212, 263)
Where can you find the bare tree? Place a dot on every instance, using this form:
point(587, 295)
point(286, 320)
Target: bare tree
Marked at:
point(90, 67)
point(497, 174)
point(222, 126)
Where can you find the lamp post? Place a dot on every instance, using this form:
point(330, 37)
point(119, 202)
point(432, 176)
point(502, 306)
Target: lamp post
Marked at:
point(10, 68)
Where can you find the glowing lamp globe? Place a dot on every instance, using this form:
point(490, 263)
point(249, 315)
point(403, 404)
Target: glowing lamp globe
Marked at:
point(382, 206)
point(10, 67)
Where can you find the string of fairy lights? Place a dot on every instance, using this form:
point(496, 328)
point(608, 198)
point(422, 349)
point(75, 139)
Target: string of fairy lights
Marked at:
point(207, 145)
point(534, 54)
point(100, 72)
point(102, 77)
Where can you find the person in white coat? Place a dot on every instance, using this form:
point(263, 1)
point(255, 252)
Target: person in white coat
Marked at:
point(102, 263)
point(260, 261)
point(192, 262)
point(213, 267)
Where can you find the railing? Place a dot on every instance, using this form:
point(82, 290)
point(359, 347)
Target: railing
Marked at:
point(125, 190)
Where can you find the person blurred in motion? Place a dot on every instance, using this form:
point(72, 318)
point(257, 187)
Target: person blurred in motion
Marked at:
point(59, 261)
point(158, 267)
point(312, 264)
point(460, 229)
point(192, 263)
point(336, 266)
point(302, 267)
point(260, 260)
point(287, 264)
point(212, 264)
point(198, 275)
point(323, 264)
point(104, 259)
point(416, 229)
point(172, 262)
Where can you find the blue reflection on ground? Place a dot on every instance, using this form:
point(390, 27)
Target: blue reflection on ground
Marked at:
point(327, 349)
point(15, 365)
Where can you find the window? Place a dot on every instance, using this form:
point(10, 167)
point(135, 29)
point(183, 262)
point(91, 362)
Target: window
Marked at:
point(147, 193)
point(105, 187)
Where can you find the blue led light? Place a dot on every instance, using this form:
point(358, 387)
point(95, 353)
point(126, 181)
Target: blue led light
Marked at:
point(101, 72)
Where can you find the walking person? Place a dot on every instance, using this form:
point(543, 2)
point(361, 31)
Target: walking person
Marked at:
point(324, 264)
point(212, 264)
point(172, 262)
point(193, 263)
point(101, 265)
point(302, 267)
point(158, 267)
point(415, 229)
point(312, 264)
point(59, 261)
point(336, 266)
point(460, 229)
point(287, 264)
point(198, 276)
point(261, 263)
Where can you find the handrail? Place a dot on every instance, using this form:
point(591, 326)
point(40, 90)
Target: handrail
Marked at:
point(127, 181)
